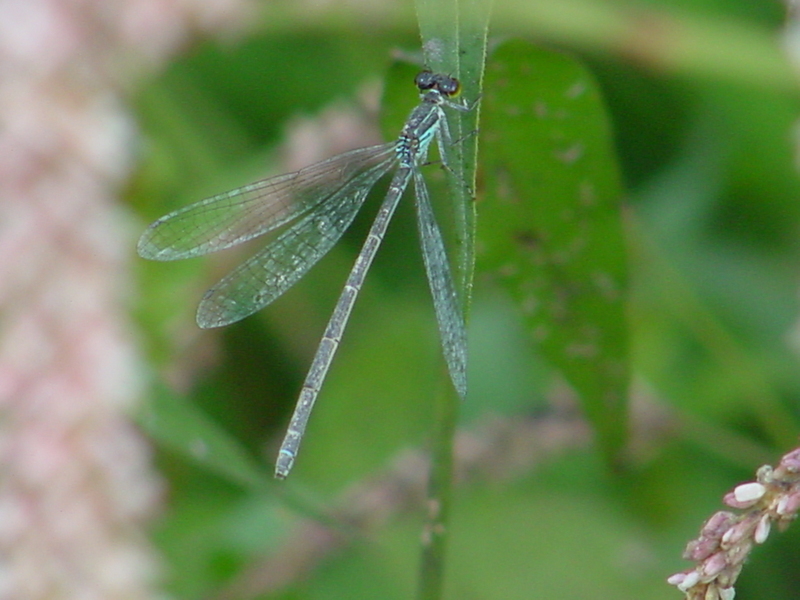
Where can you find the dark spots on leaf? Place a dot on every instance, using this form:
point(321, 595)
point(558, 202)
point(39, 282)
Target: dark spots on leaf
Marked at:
point(527, 239)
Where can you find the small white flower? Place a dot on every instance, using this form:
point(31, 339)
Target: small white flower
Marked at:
point(691, 580)
point(783, 504)
point(676, 579)
point(762, 530)
point(749, 492)
point(727, 593)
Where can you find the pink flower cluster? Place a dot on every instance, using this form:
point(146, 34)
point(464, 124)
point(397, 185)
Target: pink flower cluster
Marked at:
point(727, 538)
point(76, 485)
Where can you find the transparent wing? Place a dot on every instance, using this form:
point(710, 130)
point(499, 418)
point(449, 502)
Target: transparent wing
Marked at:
point(445, 300)
point(234, 217)
point(278, 266)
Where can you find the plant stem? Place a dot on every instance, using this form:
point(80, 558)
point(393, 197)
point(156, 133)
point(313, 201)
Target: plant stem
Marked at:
point(434, 537)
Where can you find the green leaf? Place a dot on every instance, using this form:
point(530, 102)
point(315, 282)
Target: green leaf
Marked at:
point(549, 225)
point(180, 426)
point(454, 41)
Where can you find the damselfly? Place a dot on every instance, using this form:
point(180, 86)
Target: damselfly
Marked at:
point(317, 204)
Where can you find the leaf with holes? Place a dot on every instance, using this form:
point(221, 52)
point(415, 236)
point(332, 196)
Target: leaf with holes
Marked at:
point(549, 223)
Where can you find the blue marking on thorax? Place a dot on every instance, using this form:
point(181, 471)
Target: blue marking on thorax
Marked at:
point(420, 129)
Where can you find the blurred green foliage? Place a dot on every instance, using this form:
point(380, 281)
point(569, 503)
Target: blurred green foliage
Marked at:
point(711, 238)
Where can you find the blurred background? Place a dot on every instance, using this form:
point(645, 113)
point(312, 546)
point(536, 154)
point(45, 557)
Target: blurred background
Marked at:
point(179, 102)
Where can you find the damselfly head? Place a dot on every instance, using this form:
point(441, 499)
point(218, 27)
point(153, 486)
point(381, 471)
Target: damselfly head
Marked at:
point(444, 84)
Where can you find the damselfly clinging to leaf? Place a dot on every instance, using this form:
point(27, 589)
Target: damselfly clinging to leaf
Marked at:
point(317, 204)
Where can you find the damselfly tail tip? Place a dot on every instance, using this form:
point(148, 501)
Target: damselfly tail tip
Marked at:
point(284, 464)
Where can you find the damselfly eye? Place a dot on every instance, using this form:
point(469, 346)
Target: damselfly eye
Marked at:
point(449, 86)
point(425, 80)
point(444, 84)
